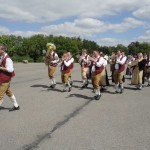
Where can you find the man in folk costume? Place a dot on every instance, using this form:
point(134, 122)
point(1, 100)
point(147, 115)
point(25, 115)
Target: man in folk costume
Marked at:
point(112, 64)
point(129, 69)
point(97, 69)
point(66, 66)
point(72, 66)
point(6, 74)
point(139, 66)
point(119, 71)
point(104, 77)
point(84, 62)
point(51, 60)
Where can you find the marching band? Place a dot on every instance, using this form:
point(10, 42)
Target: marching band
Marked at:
point(94, 68)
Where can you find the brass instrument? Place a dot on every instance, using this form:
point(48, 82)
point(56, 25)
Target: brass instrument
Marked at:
point(134, 63)
point(48, 57)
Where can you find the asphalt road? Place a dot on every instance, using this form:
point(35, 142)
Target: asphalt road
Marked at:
point(49, 119)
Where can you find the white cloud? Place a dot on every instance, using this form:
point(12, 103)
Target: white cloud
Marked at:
point(113, 42)
point(45, 11)
point(87, 26)
point(125, 42)
point(128, 23)
point(143, 12)
point(80, 27)
point(145, 37)
point(88, 22)
point(4, 30)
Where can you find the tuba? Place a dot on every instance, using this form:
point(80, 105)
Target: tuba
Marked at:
point(48, 57)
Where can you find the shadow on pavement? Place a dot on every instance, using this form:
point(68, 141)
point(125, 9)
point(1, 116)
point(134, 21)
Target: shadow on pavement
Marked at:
point(39, 85)
point(80, 96)
point(4, 108)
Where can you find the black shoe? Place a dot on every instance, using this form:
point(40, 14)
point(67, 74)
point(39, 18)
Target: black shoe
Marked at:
point(97, 97)
point(69, 89)
point(103, 88)
point(71, 83)
point(87, 84)
point(64, 90)
point(148, 85)
point(83, 87)
point(117, 92)
point(14, 108)
point(121, 90)
point(53, 86)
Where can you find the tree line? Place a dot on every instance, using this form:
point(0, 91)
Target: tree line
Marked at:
point(31, 48)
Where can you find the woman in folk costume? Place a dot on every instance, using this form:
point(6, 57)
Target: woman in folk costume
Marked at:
point(97, 72)
point(148, 69)
point(66, 67)
point(139, 65)
point(51, 60)
point(84, 62)
point(119, 71)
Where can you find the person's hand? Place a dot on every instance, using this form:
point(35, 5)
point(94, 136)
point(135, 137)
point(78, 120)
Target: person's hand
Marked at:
point(1, 68)
point(91, 59)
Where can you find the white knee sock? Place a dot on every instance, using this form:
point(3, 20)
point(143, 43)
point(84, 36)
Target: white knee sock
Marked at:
point(13, 99)
point(148, 81)
point(121, 85)
point(51, 81)
point(68, 82)
point(1, 101)
point(97, 92)
point(54, 82)
point(83, 81)
point(116, 86)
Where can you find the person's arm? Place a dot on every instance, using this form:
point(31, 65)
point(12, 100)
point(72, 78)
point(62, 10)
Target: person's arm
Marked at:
point(72, 60)
point(100, 62)
point(56, 59)
point(121, 62)
point(105, 63)
point(9, 66)
point(67, 63)
point(86, 60)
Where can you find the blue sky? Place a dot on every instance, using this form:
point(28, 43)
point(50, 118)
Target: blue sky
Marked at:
point(106, 22)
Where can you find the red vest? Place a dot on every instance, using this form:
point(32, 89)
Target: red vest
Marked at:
point(85, 64)
point(53, 64)
point(122, 67)
point(65, 68)
point(5, 76)
point(98, 69)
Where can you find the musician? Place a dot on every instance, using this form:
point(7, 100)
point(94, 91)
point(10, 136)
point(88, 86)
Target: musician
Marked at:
point(112, 60)
point(66, 67)
point(129, 69)
point(84, 62)
point(97, 72)
point(51, 60)
point(139, 66)
point(104, 77)
point(70, 57)
point(148, 69)
point(6, 74)
point(119, 71)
